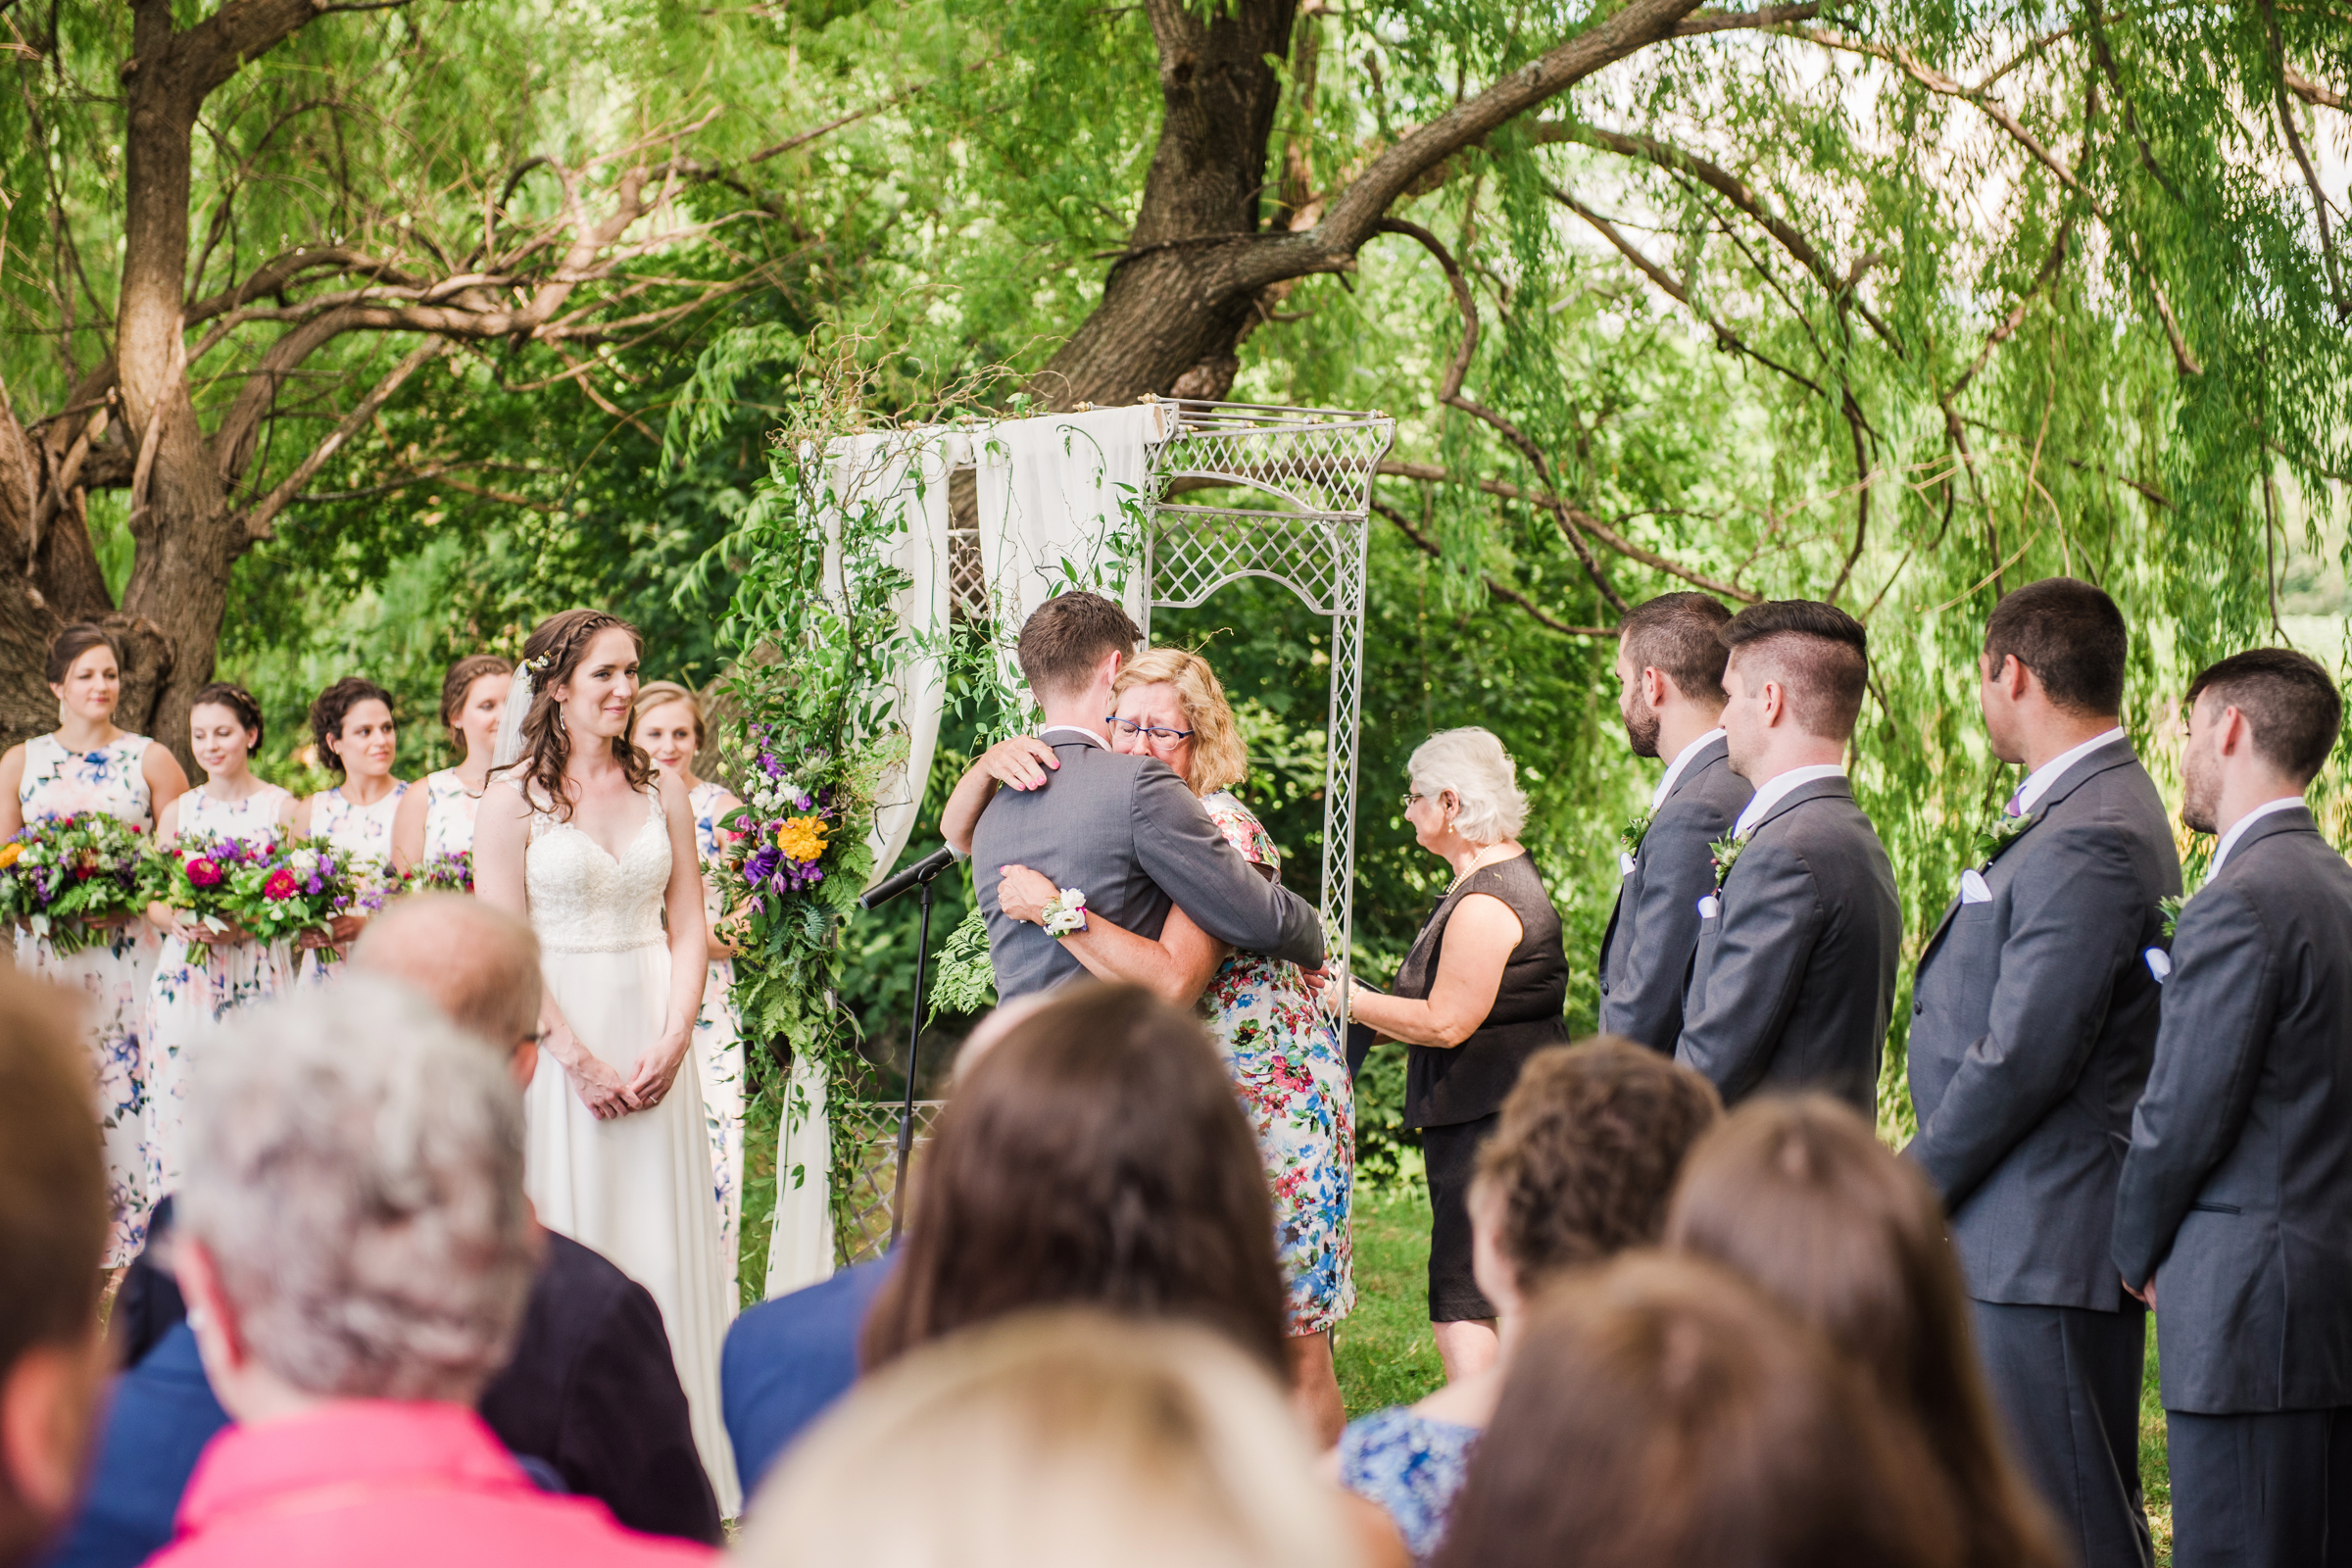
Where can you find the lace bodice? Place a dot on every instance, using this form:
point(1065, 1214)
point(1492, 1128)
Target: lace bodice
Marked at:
point(583, 899)
point(251, 820)
point(62, 783)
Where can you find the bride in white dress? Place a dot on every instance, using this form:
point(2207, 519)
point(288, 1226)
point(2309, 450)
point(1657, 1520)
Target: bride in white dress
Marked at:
point(582, 838)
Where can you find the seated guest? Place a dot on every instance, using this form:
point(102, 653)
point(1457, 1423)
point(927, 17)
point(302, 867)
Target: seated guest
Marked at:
point(590, 1400)
point(53, 1218)
point(1799, 1195)
point(356, 1250)
point(1056, 1439)
point(1094, 1156)
point(1579, 1170)
point(787, 1360)
point(1661, 1412)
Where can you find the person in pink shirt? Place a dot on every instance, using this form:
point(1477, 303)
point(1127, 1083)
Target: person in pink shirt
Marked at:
point(355, 1250)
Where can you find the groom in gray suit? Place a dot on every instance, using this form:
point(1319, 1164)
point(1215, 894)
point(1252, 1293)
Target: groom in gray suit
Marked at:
point(2238, 1185)
point(2033, 1017)
point(1670, 656)
point(1794, 974)
point(1122, 829)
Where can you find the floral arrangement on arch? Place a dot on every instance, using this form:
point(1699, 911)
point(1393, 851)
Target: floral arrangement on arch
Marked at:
point(71, 878)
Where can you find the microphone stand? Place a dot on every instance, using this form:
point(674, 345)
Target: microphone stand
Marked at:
point(918, 876)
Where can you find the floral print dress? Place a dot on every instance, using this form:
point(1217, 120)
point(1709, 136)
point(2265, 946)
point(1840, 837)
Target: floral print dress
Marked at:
point(1290, 1068)
point(114, 976)
point(449, 812)
point(186, 999)
point(355, 830)
point(719, 1045)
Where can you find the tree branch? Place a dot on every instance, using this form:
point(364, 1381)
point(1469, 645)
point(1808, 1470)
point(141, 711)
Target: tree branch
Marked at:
point(2310, 91)
point(2311, 178)
point(259, 521)
point(1704, 22)
point(1509, 594)
point(2016, 313)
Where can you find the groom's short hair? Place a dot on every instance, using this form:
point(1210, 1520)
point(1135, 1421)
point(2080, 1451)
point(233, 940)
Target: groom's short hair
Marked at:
point(1817, 653)
point(1066, 637)
point(2071, 636)
point(1680, 635)
point(2289, 703)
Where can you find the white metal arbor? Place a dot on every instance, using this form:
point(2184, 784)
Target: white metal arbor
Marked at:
point(1304, 478)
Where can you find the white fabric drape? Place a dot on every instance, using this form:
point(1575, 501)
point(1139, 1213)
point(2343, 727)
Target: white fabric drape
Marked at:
point(800, 1244)
point(1049, 491)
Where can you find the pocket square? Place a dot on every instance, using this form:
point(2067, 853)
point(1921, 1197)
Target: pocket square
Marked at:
point(2160, 964)
point(1972, 889)
point(1625, 865)
point(1709, 908)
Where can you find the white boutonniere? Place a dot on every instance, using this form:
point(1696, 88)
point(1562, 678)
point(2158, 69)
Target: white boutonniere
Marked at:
point(1999, 834)
point(1725, 852)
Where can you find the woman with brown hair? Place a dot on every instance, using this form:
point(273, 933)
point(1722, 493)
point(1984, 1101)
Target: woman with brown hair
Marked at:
point(91, 764)
point(1284, 1053)
point(1664, 1413)
point(1094, 1156)
point(580, 836)
point(436, 817)
point(1798, 1195)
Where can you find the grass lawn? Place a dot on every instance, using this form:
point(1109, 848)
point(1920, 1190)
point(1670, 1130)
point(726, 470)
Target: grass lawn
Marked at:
point(1386, 1356)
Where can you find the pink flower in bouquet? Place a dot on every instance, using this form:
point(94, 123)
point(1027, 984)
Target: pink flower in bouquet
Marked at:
point(203, 874)
point(281, 885)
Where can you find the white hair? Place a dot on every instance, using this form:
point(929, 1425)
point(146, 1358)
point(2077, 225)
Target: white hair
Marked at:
point(354, 1167)
point(1062, 1439)
point(1471, 762)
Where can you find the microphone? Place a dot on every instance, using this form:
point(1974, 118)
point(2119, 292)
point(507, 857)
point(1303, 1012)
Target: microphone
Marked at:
point(921, 871)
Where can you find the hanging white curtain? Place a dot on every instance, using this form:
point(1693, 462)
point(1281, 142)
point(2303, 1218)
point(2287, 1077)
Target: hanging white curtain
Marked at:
point(1049, 492)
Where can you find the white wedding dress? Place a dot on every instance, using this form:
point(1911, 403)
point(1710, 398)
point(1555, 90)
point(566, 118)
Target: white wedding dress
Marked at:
point(636, 1189)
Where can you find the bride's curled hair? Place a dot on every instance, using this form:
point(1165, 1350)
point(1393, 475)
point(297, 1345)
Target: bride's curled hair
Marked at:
point(553, 654)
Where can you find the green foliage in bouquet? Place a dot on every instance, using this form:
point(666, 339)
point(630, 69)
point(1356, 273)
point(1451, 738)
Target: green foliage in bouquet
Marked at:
point(61, 875)
point(197, 875)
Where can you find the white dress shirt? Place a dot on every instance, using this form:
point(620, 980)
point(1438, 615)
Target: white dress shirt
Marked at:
point(1777, 789)
point(2237, 829)
point(1674, 769)
point(1095, 736)
point(2037, 783)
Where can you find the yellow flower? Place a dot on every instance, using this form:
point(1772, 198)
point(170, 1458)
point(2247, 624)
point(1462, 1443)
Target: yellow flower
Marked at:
point(802, 837)
point(8, 852)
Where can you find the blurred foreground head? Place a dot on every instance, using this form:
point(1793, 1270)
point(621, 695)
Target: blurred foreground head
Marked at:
point(1095, 1157)
point(1797, 1194)
point(1056, 1439)
point(352, 1223)
point(52, 1244)
point(475, 962)
point(1661, 1412)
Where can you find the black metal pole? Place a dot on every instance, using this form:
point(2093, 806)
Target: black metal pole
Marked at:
point(915, 1030)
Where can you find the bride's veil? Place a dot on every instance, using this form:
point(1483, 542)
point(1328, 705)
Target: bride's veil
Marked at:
point(510, 726)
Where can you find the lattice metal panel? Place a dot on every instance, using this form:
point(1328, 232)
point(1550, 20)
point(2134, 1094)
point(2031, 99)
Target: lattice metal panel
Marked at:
point(968, 582)
point(1307, 478)
point(862, 1212)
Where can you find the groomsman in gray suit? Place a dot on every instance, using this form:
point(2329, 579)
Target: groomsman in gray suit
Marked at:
point(1670, 656)
point(2237, 1189)
point(2033, 1017)
point(1793, 976)
point(1120, 829)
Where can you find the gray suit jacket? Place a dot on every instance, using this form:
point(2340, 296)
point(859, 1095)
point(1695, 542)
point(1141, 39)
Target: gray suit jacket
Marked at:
point(2033, 1017)
point(1793, 980)
point(1126, 831)
point(1653, 931)
point(2238, 1190)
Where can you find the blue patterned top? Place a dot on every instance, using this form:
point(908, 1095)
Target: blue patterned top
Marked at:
point(1411, 1466)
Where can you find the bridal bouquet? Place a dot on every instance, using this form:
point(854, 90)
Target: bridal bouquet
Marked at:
point(450, 871)
point(304, 886)
point(198, 876)
point(61, 874)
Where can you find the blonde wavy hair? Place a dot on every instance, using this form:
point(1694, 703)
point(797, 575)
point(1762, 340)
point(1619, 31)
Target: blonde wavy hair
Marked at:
point(1219, 758)
point(661, 694)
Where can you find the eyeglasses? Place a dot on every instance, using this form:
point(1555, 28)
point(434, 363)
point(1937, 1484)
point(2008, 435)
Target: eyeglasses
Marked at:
point(1159, 732)
point(1413, 798)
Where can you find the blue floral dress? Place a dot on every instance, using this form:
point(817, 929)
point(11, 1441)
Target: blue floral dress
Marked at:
point(1287, 1062)
point(719, 1045)
point(1412, 1467)
point(62, 783)
point(186, 999)
point(450, 809)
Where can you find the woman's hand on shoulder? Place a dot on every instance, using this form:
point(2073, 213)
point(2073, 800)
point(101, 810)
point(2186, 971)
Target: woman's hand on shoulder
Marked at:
point(1022, 763)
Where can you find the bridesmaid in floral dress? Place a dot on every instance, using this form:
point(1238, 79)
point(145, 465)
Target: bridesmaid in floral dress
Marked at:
point(436, 817)
point(667, 724)
point(87, 764)
point(352, 723)
point(202, 977)
point(1286, 1056)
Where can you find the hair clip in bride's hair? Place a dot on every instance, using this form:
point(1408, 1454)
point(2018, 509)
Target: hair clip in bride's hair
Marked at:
point(536, 666)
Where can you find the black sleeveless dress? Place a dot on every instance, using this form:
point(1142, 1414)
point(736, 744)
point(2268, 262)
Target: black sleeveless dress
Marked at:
point(1453, 1094)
